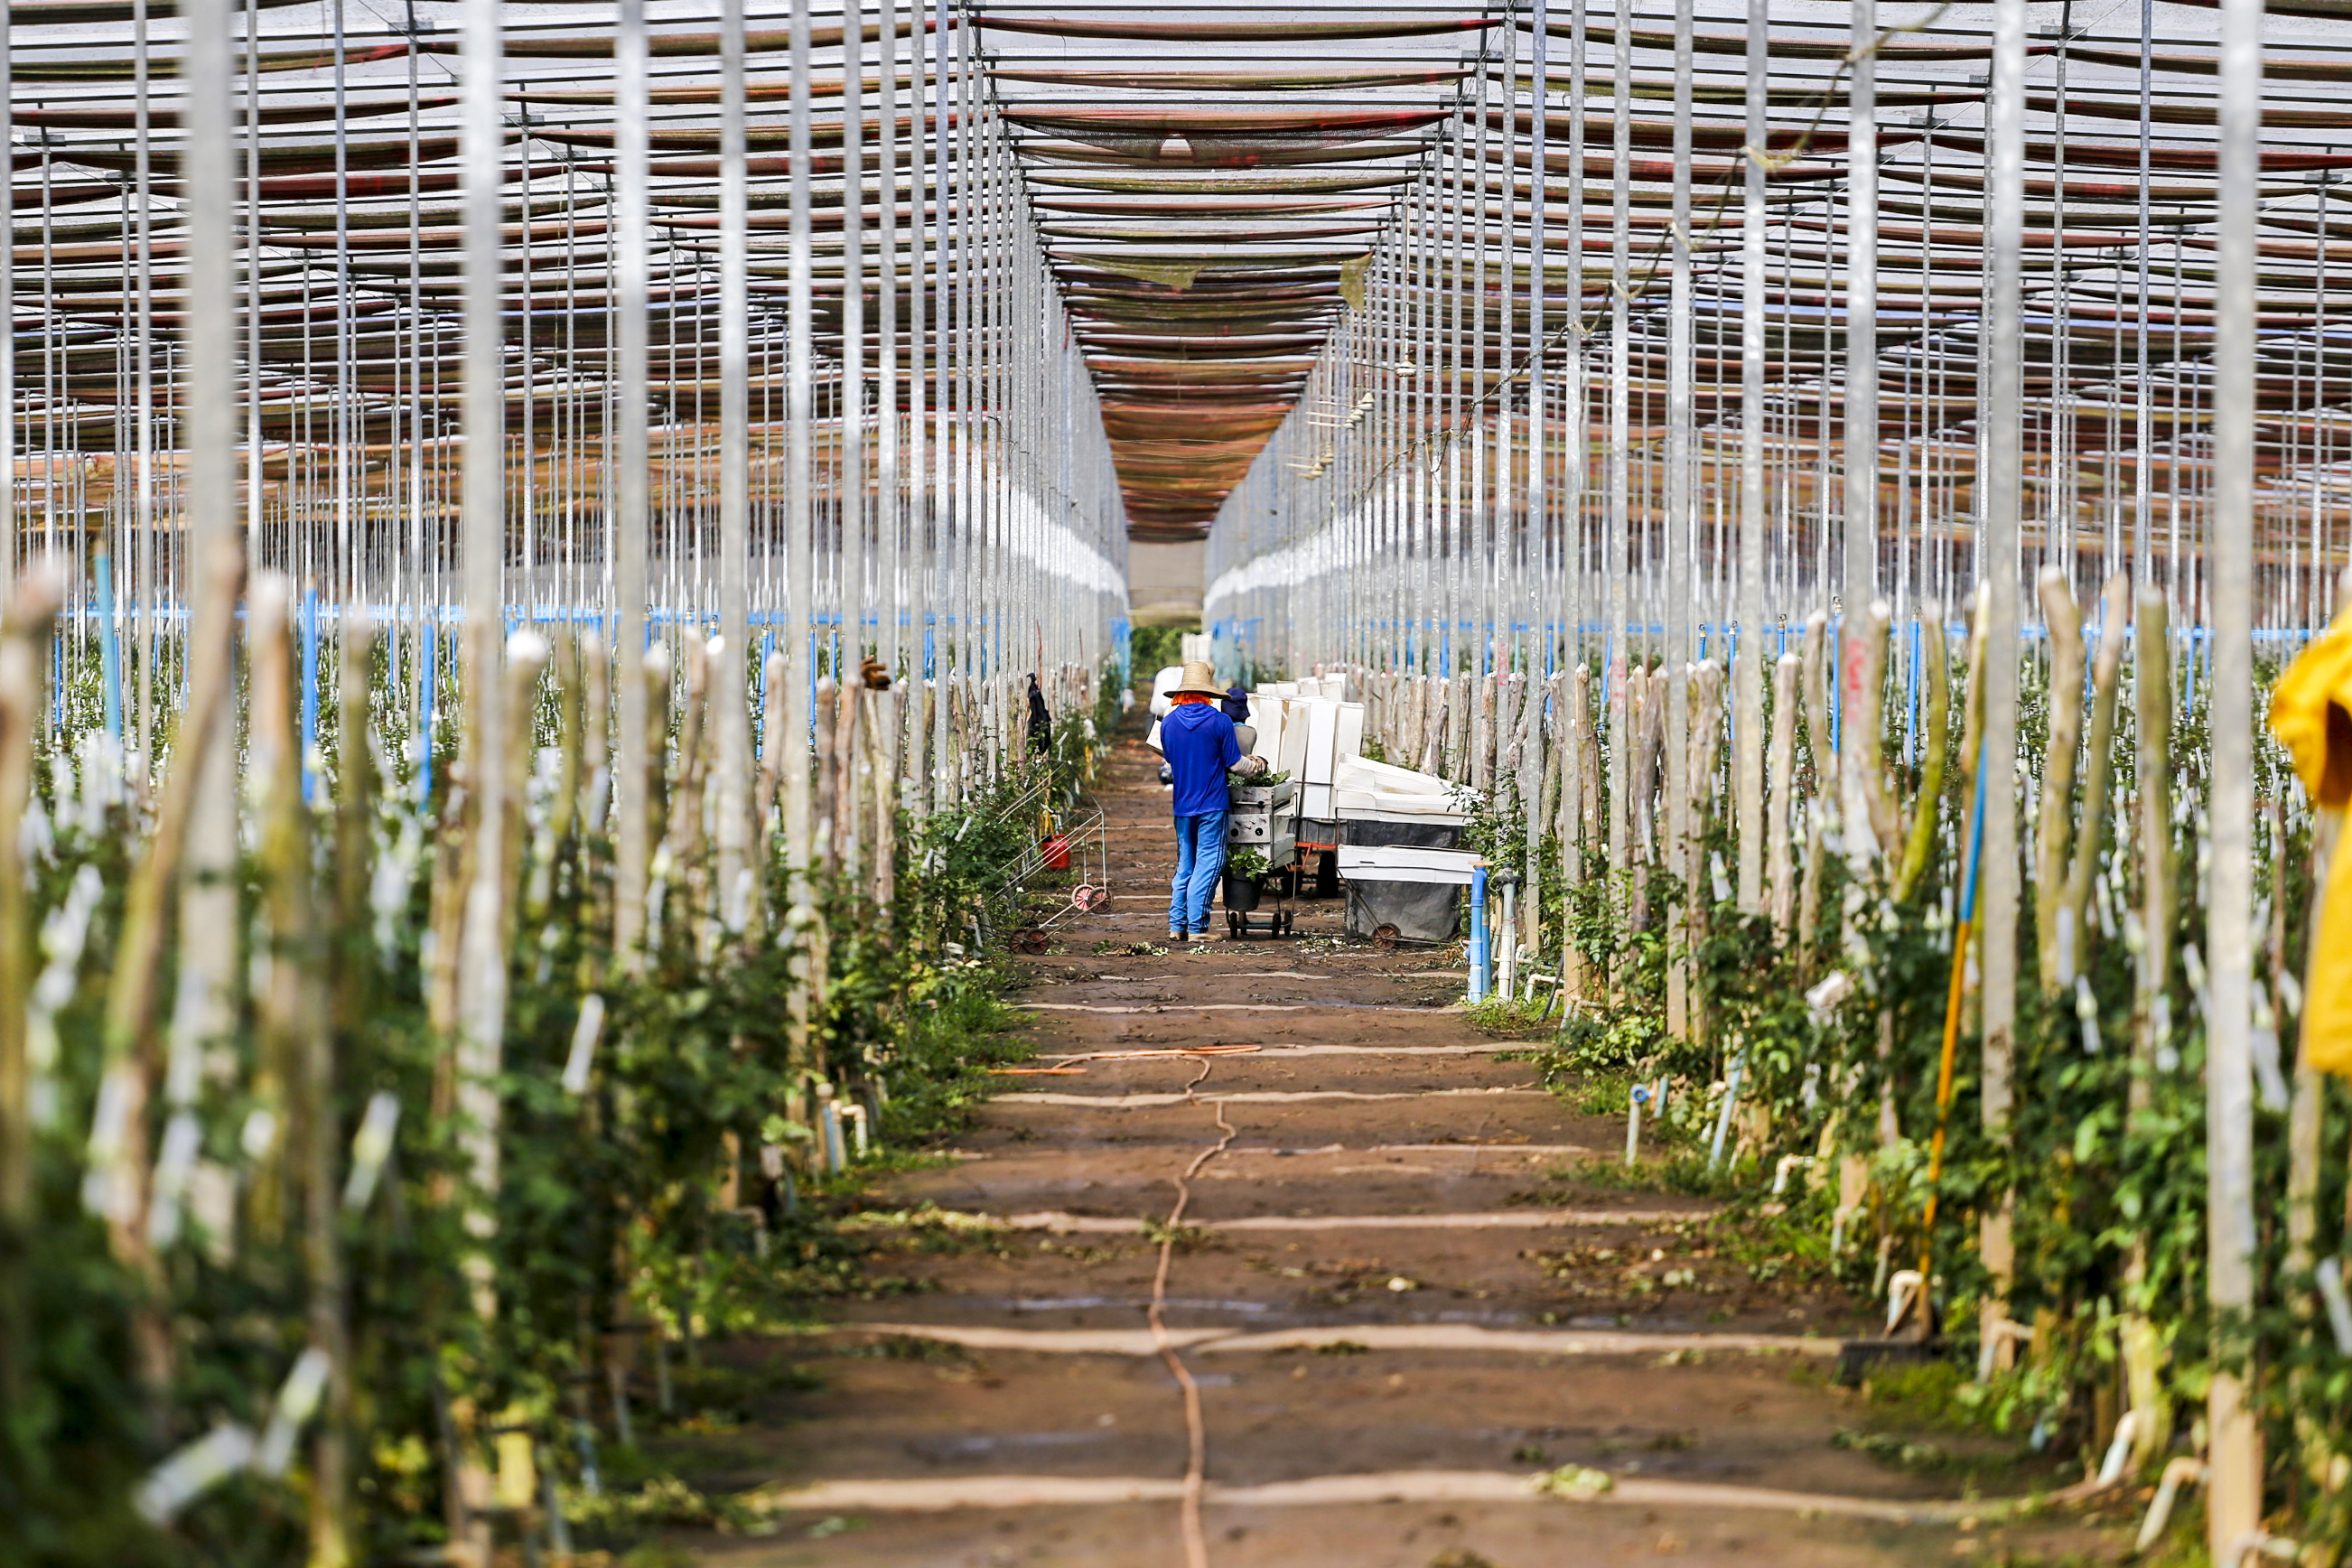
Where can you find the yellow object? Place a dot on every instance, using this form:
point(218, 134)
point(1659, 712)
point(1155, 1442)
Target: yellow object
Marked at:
point(2311, 715)
point(518, 1478)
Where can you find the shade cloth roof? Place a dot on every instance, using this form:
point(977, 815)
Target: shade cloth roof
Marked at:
point(1209, 185)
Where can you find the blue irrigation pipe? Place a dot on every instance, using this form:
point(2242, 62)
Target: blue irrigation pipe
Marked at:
point(1477, 953)
point(1837, 686)
point(1911, 728)
point(429, 660)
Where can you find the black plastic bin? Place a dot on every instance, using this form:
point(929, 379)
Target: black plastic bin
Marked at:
point(1425, 913)
point(1401, 834)
point(1428, 913)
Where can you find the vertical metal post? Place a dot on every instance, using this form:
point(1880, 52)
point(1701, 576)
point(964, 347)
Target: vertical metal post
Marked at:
point(1621, 375)
point(482, 967)
point(625, 540)
point(209, 897)
point(792, 747)
point(1997, 578)
point(2235, 1491)
point(849, 487)
point(734, 467)
point(1539, 62)
point(1680, 536)
point(1748, 673)
point(947, 515)
point(1859, 445)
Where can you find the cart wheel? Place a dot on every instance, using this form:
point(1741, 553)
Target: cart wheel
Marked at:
point(1030, 941)
point(1233, 923)
point(1386, 937)
point(1085, 898)
point(1288, 918)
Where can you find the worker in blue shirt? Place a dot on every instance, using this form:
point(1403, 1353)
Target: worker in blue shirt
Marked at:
point(1201, 747)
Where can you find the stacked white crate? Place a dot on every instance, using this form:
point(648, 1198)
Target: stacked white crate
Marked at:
point(1375, 792)
point(1307, 730)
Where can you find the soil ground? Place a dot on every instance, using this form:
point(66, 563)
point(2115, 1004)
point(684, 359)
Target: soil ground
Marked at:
point(1395, 1297)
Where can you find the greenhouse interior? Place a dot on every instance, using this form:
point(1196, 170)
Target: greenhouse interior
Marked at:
point(1742, 734)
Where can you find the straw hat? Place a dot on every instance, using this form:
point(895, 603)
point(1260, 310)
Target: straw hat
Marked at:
point(1200, 680)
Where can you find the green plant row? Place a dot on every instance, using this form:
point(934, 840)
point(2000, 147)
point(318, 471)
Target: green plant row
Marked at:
point(1825, 1036)
point(303, 1279)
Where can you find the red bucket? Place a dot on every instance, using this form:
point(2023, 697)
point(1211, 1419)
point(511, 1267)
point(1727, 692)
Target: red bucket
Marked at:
point(1056, 851)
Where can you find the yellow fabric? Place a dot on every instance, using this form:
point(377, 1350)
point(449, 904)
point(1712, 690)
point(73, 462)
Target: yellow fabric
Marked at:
point(2311, 715)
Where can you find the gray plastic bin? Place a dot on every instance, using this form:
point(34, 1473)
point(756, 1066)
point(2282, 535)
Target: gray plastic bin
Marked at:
point(1426, 914)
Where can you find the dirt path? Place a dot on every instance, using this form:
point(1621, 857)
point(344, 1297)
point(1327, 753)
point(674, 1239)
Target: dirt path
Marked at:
point(1388, 1317)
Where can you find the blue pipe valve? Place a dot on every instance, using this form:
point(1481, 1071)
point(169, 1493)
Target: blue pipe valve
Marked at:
point(1477, 951)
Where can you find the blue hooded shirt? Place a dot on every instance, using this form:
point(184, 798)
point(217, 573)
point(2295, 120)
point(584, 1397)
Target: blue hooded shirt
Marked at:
point(1200, 745)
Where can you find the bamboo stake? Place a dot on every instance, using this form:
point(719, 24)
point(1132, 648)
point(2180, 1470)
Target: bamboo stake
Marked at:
point(357, 782)
point(21, 670)
point(683, 828)
point(849, 801)
point(1485, 736)
point(881, 728)
point(563, 807)
point(1432, 751)
point(2143, 1348)
point(1780, 803)
point(120, 1164)
point(1815, 655)
point(653, 749)
point(1587, 763)
point(764, 801)
point(292, 1013)
point(1878, 826)
point(2098, 773)
point(1822, 811)
point(828, 775)
point(1927, 805)
point(1457, 712)
point(596, 731)
point(2053, 829)
point(1530, 780)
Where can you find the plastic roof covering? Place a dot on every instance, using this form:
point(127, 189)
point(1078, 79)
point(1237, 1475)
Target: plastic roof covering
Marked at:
point(1209, 183)
point(1238, 114)
point(353, 270)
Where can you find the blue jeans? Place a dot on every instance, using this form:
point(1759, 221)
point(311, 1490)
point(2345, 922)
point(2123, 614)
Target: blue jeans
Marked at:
point(1199, 861)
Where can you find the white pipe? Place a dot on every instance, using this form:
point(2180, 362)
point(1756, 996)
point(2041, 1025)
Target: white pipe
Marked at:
point(2182, 1471)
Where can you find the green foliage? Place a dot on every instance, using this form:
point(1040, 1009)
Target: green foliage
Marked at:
point(673, 1192)
point(1154, 648)
point(2101, 1165)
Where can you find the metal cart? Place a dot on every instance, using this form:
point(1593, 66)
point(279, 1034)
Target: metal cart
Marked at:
point(1264, 818)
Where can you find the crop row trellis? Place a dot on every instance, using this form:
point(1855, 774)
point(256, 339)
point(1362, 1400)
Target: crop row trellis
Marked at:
point(535, 537)
point(1577, 490)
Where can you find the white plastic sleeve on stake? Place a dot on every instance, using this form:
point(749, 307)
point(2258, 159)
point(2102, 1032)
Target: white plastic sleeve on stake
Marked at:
point(297, 1400)
point(371, 1147)
point(192, 1471)
point(183, 1140)
point(584, 1036)
point(2329, 1277)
